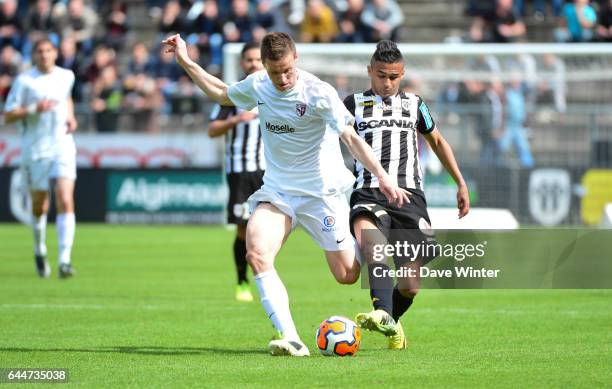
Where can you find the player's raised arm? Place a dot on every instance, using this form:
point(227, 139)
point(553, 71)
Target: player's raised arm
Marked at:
point(363, 153)
point(211, 85)
point(440, 146)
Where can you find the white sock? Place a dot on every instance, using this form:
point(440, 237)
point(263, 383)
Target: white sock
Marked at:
point(39, 226)
point(65, 224)
point(275, 301)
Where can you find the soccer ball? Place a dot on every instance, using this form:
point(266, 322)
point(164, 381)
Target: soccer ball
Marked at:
point(338, 336)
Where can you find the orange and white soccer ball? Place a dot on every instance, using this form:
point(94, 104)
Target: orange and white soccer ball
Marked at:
point(338, 336)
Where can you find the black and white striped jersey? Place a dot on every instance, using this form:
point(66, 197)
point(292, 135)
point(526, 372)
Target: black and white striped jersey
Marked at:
point(244, 151)
point(390, 127)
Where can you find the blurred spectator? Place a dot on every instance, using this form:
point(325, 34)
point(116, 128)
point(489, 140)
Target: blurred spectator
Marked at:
point(525, 65)
point(166, 74)
point(297, 10)
point(265, 17)
point(551, 86)
point(142, 100)
point(106, 100)
point(484, 63)
point(208, 30)
point(539, 8)
point(265, 20)
point(69, 58)
point(166, 67)
point(239, 25)
point(9, 68)
point(502, 24)
point(185, 96)
point(319, 23)
point(81, 21)
point(478, 8)
point(11, 28)
point(603, 29)
point(117, 25)
point(516, 114)
point(384, 18)
point(102, 58)
point(41, 18)
point(172, 20)
point(352, 28)
point(140, 61)
point(577, 22)
point(487, 116)
point(507, 24)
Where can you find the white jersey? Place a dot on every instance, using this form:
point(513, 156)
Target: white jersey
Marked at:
point(300, 130)
point(44, 135)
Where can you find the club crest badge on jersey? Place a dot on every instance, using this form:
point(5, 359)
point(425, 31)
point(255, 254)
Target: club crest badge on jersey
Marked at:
point(406, 105)
point(300, 109)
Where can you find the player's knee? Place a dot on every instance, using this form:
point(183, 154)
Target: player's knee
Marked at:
point(37, 211)
point(257, 261)
point(65, 204)
point(347, 278)
point(39, 208)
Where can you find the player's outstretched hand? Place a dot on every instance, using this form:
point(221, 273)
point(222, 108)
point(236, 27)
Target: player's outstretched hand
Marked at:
point(463, 201)
point(393, 193)
point(176, 44)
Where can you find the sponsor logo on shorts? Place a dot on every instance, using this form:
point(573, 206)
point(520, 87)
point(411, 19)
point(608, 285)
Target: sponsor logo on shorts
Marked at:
point(329, 222)
point(425, 227)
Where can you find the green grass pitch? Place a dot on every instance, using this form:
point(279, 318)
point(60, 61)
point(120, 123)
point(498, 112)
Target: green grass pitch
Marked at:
point(154, 307)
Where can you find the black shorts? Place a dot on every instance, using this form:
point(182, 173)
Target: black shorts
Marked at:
point(241, 187)
point(409, 223)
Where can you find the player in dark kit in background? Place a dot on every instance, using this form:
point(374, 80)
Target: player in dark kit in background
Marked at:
point(388, 120)
point(244, 164)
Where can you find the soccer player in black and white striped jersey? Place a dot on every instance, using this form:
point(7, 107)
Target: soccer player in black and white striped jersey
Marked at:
point(244, 164)
point(389, 121)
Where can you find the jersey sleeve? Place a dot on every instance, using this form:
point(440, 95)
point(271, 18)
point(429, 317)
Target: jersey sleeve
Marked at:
point(349, 103)
point(425, 123)
point(332, 109)
point(242, 93)
point(221, 112)
point(16, 96)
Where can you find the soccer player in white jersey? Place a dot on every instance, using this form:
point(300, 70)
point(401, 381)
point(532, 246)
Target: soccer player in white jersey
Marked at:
point(244, 164)
point(305, 181)
point(390, 120)
point(40, 103)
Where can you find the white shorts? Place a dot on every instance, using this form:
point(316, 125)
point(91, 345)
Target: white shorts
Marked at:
point(326, 219)
point(39, 172)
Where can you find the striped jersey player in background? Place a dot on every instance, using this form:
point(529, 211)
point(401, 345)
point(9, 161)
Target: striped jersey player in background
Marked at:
point(388, 120)
point(244, 164)
point(40, 103)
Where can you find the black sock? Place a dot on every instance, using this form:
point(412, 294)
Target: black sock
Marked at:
point(401, 304)
point(381, 288)
point(240, 259)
